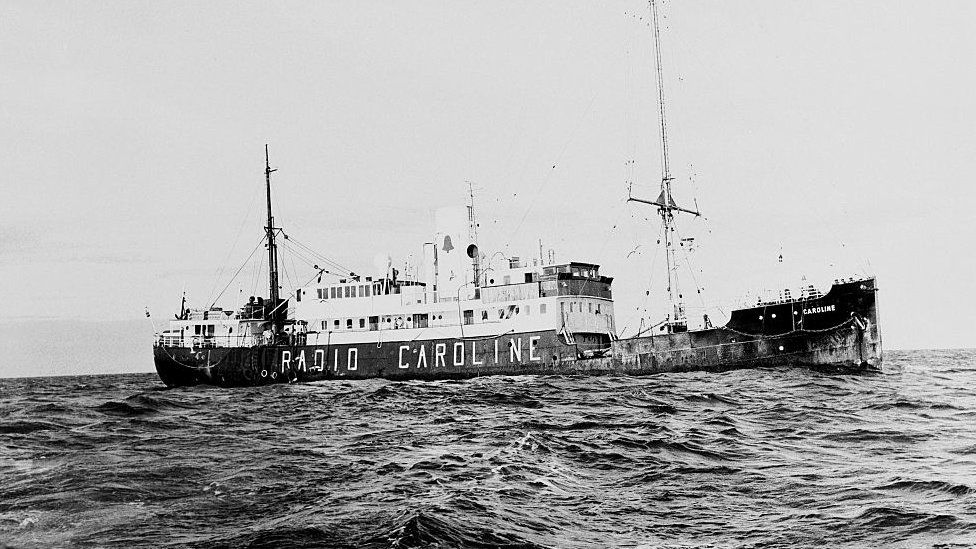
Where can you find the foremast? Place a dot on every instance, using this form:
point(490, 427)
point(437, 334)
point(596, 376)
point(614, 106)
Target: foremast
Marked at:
point(275, 314)
point(666, 206)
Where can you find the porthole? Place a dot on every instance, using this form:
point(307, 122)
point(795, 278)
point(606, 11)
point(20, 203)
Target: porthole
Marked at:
point(773, 315)
point(760, 317)
point(780, 347)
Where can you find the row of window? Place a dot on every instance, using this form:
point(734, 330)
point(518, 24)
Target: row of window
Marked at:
point(577, 307)
point(338, 292)
point(382, 322)
point(422, 320)
point(507, 312)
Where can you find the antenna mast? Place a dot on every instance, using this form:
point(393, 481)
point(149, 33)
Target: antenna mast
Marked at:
point(665, 202)
point(272, 247)
point(472, 250)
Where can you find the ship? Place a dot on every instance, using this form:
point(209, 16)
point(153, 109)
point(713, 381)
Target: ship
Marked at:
point(478, 315)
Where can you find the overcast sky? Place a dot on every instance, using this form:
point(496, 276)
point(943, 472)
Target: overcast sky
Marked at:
point(841, 133)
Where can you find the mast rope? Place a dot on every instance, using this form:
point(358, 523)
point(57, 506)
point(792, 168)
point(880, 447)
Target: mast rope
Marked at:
point(691, 271)
point(240, 231)
point(548, 177)
point(316, 255)
point(794, 331)
point(256, 275)
point(241, 268)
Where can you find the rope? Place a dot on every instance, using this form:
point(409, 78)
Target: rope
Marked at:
point(240, 231)
point(548, 177)
point(795, 331)
point(316, 255)
point(249, 256)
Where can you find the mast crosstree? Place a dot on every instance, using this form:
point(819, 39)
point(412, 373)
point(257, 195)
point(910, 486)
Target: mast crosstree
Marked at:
point(666, 206)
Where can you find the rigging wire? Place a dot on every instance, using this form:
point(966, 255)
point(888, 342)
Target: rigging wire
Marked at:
point(233, 247)
point(313, 261)
point(548, 177)
point(317, 255)
point(241, 268)
point(691, 270)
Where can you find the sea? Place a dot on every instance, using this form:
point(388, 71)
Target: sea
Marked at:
point(748, 458)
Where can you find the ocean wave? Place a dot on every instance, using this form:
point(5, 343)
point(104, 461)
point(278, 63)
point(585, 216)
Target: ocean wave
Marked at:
point(930, 486)
point(25, 426)
point(766, 458)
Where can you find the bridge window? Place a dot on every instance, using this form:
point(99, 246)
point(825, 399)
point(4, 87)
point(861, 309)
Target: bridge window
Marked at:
point(349, 324)
point(335, 324)
point(484, 316)
point(468, 317)
point(362, 323)
point(367, 290)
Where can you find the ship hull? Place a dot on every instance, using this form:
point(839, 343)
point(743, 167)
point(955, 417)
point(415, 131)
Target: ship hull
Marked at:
point(838, 331)
point(543, 352)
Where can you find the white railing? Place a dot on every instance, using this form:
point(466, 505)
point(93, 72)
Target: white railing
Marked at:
point(209, 342)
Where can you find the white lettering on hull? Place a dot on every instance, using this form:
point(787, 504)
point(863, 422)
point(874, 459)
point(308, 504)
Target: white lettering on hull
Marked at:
point(459, 353)
point(459, 356)
point(474, 356)
point(400, 362)
point(440, 350)
point(515, 352)
point(822, 309)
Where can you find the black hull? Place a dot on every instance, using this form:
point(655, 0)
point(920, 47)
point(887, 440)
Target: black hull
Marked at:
point(838, 331)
